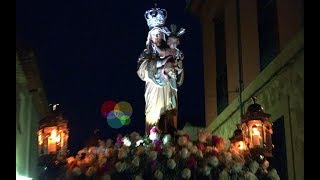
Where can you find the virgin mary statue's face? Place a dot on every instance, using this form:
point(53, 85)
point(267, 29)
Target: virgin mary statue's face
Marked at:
point(156, 36)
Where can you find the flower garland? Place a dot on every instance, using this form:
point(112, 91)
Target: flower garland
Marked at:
point(161, 156)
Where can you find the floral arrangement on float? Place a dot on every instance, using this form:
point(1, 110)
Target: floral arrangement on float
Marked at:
point(164, 156)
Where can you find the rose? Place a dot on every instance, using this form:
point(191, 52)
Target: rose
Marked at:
point(199, 154)
point(237, 167)
point(138, 177)
point(213, 161)
point(120, 166)
point(184, 153)
point(171, 164)
point(273, 174)
point(119, 139)
point(206, 170)
point(253, 166)
point(167, 152)
point(186, 173)
point(191, 162)
point(158, 175)
point(194, 149)
point(182, 140)
point(215, 140)
point(153, 155)
point(189, 145)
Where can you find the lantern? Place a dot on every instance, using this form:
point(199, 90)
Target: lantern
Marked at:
point(257, 130)
point(53, 134)
point(238, 145)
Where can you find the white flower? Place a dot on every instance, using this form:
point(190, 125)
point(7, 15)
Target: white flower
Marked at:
point(237, 167)
point(171, 164)
point(106, 177)
point(76, 171)
point(199, 153)
point(166, 139)
point(189, 145)
point(223, 175)
point(182, 140)
point(253, 166)
point(136, 161)
point(153, 155)
point(194, 149)
point(206, 170)
point(273, 174)
point(122, 154)
point(186, 173)
point(138, 177)
point(168, 152)
point(250, 176)
point(184, 153)
point(126, 141)
point(158, 175)
point(204, 136)
point(120, 166)
point(154, 136)
point(139, 142)
point(213, 161)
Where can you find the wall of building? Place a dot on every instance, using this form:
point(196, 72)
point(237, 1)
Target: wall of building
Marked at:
point(279, 87)
point(28, 114)
point(280, 91)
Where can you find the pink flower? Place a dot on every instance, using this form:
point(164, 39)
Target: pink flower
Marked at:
point(187, 136)
point(191, 162)
point(201, 146)
point(158, 148)
point(119, 139)
point(154, 129)
point(215, 140)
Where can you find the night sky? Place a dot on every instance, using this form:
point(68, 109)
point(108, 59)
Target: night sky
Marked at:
point(87, 52)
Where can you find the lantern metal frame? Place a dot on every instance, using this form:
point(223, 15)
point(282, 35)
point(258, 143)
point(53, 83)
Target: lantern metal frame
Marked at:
point(257, 130)
point(53, 134)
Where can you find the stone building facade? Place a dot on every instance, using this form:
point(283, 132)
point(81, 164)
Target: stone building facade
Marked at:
point(31, 106)
point(276, 79)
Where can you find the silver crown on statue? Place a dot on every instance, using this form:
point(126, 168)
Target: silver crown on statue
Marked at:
point(155, 17)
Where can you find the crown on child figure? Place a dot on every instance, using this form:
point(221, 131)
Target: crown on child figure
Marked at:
point(155, 17)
